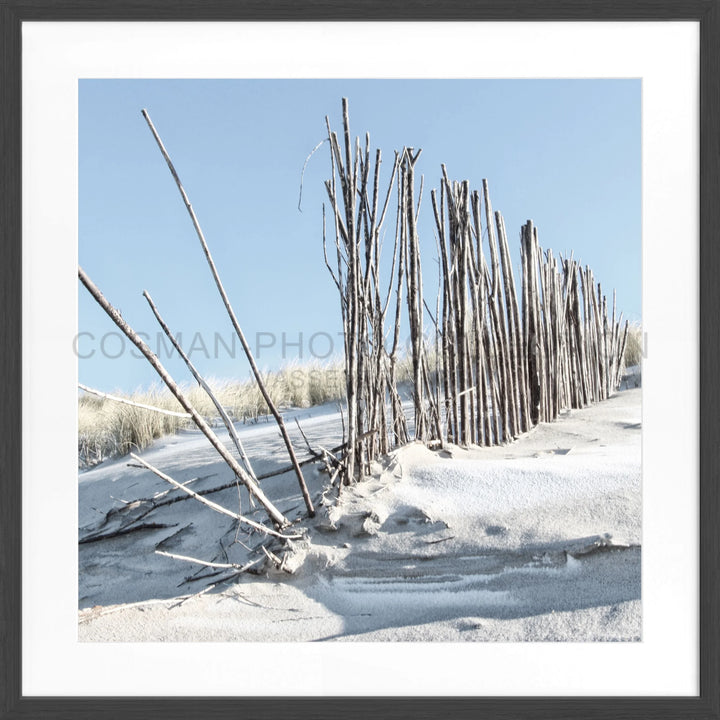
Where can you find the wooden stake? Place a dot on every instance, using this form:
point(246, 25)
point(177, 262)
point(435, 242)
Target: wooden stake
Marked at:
point(233, 319)
point(275, 515)
point(221, 410)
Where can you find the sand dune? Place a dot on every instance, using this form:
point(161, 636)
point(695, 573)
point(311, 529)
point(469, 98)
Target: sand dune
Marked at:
point(538, 540)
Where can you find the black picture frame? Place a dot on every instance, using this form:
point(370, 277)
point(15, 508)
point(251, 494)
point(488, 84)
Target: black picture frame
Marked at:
point(12, 703)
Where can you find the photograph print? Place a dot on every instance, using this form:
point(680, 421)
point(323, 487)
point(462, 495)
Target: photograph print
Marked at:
point(359, 360)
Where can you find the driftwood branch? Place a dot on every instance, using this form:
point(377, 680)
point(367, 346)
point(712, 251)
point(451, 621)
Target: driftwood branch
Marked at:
point(214, 506)
point(233, 318)
point(273, 513)
point(125, 401)
point(232, 566)
point(221, 410)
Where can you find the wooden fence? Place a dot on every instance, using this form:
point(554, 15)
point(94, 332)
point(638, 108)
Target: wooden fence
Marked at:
point(502, 361)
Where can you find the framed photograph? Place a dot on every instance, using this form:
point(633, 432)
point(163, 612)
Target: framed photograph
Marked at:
point(386, 334)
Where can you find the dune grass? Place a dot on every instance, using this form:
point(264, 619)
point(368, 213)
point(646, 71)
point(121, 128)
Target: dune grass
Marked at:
point(107, 428)
point(634, 347)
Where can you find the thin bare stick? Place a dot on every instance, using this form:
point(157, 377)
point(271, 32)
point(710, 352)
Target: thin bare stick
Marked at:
point(240, 568)
point(327, 262)
point(307, 442)
point(107, 396)
point(302, 174)
point(234, 320)
point(214, 506)
point(221, 410)
point(274, 559)
point(342, 422)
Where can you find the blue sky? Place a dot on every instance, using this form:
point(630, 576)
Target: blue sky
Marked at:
point(564, 153)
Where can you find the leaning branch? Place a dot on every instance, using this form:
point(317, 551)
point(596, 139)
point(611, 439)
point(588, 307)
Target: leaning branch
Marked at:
point(233, 318)
point(214, 506)
point(275, 515)
point(125, 401)
point(208, 390)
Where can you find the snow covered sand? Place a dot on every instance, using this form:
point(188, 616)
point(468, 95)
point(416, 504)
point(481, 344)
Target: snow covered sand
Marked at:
point(538, 540)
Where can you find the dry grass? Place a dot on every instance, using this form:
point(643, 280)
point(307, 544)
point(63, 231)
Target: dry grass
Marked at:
point(634, 347)
point(107, 428)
